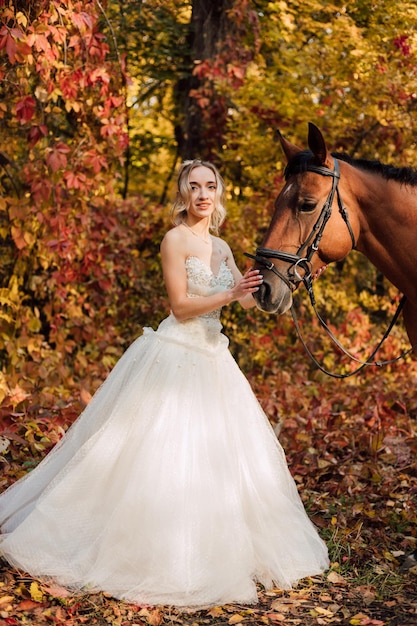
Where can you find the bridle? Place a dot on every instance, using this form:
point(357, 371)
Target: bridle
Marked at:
point(302, 259)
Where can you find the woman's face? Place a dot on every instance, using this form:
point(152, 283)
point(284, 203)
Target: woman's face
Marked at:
point(203, 192)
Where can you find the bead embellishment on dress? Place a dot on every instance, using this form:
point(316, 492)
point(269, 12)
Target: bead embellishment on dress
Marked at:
point(202, 278)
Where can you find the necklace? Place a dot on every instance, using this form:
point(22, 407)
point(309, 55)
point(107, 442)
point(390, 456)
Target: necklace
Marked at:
point(207, 241)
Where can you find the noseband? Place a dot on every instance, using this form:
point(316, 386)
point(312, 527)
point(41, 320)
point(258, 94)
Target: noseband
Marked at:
point(304, 254)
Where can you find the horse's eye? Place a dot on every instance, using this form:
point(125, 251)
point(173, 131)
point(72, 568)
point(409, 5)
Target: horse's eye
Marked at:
point(307, 207)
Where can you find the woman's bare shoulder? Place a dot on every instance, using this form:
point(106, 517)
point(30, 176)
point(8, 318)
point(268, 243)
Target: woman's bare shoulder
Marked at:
point(173, 237)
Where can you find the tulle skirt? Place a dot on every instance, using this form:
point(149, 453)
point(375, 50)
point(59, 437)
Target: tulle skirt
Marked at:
point(170, 488)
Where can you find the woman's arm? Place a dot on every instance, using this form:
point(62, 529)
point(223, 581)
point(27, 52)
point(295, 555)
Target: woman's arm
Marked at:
point(173, 255)
point(247, 301)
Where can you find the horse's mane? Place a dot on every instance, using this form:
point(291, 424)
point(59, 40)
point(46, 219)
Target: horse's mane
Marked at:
point(404, 175)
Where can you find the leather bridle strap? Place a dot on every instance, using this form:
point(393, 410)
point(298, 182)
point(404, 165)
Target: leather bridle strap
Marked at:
point(305, 252)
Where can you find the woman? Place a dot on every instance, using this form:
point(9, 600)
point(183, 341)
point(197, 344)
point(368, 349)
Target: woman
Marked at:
point(171, 487)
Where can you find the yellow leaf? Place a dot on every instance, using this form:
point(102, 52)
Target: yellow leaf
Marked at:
point(236, 619)
point(6, 600)
point(21, 19)
point(321, 611)
point(35, 592)
point(216, 611)
point(34, 325)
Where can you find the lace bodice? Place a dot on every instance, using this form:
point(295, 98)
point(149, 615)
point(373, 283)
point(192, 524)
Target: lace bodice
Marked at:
point(201, 281)
point(202, 332)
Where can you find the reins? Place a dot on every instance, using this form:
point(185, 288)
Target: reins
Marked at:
point(302, 259)
point(369, 361)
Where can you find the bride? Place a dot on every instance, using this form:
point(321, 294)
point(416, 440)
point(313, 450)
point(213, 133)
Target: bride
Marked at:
point(171, 487)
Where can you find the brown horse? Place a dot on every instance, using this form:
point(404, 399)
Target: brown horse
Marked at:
point(330, 204)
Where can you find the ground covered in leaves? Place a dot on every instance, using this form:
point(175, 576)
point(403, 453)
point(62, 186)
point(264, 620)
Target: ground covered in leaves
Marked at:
point(386, 600)
point(351, 450)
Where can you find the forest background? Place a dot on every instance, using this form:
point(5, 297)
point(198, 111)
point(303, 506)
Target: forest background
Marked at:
point(100, 102)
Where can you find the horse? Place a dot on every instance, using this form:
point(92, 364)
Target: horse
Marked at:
point(330, 204)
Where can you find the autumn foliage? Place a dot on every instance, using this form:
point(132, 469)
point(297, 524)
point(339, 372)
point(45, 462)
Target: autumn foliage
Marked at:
point(82, 109)
point(71, 246)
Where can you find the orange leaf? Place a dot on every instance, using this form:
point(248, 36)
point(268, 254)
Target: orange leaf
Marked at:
point(26, 605)
point(155, 617)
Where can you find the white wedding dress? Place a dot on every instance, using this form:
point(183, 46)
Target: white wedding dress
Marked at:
point(171, 487)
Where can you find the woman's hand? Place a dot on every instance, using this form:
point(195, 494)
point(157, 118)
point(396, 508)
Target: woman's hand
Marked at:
point(248, 284)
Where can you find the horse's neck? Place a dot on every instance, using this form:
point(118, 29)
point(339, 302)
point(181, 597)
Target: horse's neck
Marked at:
point(388, 230)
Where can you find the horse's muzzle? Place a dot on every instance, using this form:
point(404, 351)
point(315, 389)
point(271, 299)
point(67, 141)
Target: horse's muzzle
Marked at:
point(273, 296)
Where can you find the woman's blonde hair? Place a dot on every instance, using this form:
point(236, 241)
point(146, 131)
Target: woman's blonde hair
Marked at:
point(183, 200)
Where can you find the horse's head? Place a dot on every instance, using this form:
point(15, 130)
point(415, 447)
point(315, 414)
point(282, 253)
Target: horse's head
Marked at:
point(305, 234)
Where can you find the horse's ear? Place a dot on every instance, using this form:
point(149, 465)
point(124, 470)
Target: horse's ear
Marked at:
point(317, 144)
point(290, 150)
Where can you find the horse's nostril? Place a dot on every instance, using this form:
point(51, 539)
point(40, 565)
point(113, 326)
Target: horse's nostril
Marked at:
point(264, 293)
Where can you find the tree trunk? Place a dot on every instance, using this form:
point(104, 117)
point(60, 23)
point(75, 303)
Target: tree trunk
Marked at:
point(208, 26)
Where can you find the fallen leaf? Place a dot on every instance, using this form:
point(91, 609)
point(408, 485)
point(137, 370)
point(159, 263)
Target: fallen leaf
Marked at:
point(360, 619)
point(216, 611)
point(336, 579)
point(366, 593)
point(325, 597)
point(26, 605)
point(56, 591)
point(280, 606)
point(276, 617)
point(155, 617)
point(85, 396)
point(321, 611)
point(35, 592)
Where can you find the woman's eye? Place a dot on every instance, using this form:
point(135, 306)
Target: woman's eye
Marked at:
point(307, 207)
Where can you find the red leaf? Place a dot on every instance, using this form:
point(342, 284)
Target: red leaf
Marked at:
point(98, 74)
point(96, 161)
point(82, 20)
point(36, 133)
point(25, 109)
point(75, 180)
point(10, 45)
point(8, 41)
point(56, 159)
